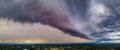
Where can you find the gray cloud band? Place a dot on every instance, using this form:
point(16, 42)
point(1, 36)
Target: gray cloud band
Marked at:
point(47, 12)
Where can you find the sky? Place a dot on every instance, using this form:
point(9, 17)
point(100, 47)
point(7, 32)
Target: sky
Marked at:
point(57, 21)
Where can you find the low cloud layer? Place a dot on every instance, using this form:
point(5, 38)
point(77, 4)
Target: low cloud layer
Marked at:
point(18, 32)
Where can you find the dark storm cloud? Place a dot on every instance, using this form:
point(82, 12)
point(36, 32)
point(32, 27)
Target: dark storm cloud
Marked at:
point(34, 11)
point(79, 7)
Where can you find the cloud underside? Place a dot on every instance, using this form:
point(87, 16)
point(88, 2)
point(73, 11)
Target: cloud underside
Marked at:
point(19, 32)
point(45, 12)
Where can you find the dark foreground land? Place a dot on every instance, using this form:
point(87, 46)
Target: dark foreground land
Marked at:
point(65, 46)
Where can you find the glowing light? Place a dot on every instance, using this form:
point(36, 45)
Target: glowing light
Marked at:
point(28, 41)
point(33, 41)
point(100, 9)
point(25, 41)
point(25, 49)
point(114, 33)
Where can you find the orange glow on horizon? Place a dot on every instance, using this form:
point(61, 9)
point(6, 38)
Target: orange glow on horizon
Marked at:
point(32, 41)
point(27, 41)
